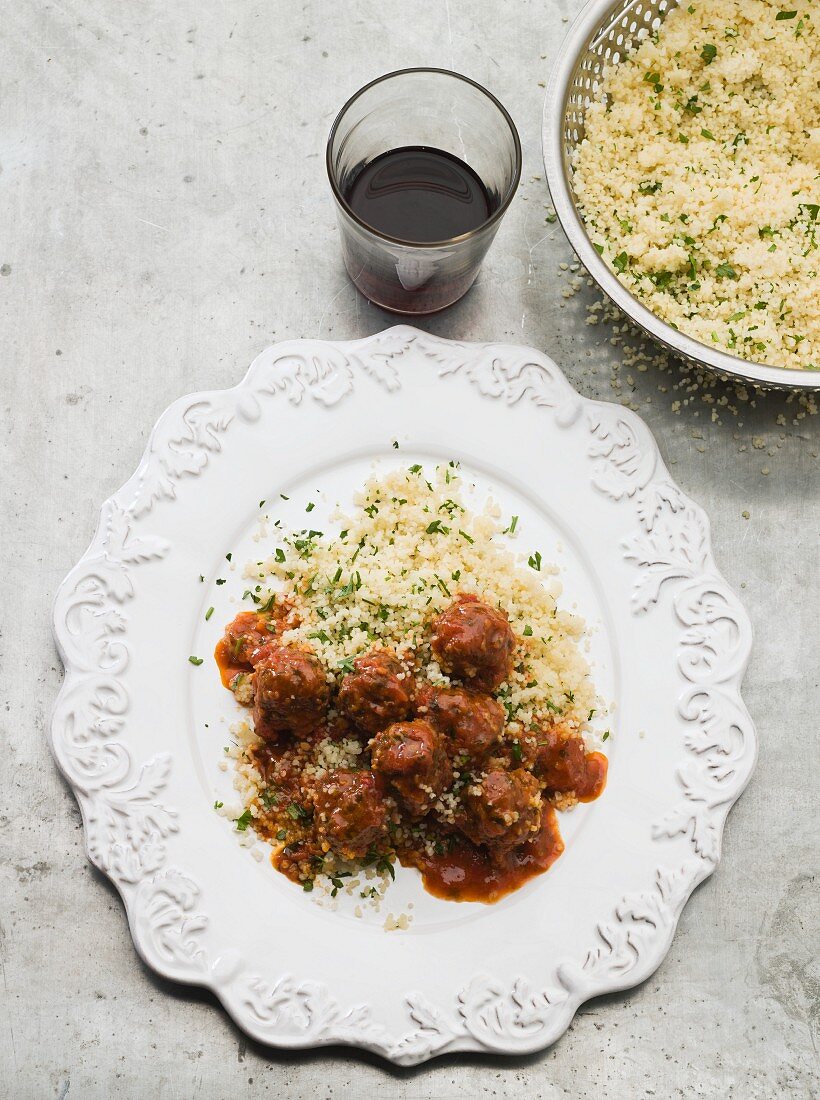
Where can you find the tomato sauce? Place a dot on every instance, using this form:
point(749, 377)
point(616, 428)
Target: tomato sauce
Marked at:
point(246, 640)
point(459, 868)
point(466, 872)
point(595, 768)
point(228, 666)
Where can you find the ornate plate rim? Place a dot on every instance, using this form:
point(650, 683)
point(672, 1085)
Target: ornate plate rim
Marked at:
point(161, 903)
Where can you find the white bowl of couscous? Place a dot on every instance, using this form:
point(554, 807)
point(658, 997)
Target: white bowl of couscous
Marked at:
point(682, 147)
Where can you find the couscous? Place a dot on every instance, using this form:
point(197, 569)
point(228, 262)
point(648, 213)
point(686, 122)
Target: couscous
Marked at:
point(698, 176)
point(416, 693)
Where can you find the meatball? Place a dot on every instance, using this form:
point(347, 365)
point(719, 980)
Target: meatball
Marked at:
point(474, 642)
point(515, 752)
point(562, 763)
point(470, 720)
point(350, 813)
point(410, 755)
point(291, 692)
point(559, 759)
point(503, 810)
point(377, 692)
point(244, 636)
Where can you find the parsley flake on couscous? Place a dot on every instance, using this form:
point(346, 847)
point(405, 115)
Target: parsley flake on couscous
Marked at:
point(699, 176)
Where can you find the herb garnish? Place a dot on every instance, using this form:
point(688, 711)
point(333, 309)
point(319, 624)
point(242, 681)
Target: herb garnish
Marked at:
point(726, 271)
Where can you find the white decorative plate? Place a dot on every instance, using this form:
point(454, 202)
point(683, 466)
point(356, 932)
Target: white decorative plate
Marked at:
point(138, 731)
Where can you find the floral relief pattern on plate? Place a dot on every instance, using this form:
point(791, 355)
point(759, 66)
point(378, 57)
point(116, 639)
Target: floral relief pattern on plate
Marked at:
point(124, 795)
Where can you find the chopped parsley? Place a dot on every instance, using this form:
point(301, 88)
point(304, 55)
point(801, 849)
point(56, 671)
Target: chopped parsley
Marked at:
point(269, 798)
point(726, 271)
point(297, 812)
point(209, 612)
point(385, 867)
point(534, 561)
point(243, 821)
point(708, 53)
point(337, 883)
point(196, 660)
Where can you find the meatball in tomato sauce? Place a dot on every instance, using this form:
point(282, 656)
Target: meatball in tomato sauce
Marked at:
point(247, 633)
point(471, 721)
point(563, 765)
point(502, 810)
point(474, 643)
point(291, 692)
point(350, 812)
point(377, 692)
point(411, 757)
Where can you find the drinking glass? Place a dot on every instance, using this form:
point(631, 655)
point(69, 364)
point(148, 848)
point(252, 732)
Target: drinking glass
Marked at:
point(435, 109)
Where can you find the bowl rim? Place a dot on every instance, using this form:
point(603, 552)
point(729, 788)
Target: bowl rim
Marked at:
point(558, 181)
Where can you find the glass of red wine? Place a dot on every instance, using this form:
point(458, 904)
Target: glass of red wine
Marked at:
point(423, 164)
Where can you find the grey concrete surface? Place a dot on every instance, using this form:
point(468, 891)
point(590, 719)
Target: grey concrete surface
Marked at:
point(163, 216)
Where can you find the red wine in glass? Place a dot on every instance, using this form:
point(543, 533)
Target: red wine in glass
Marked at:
point(419, 196)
